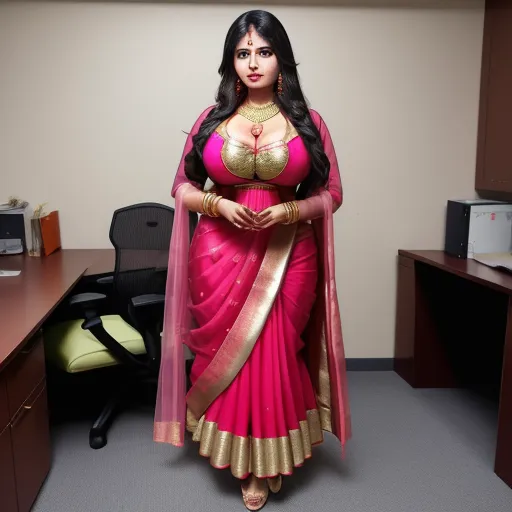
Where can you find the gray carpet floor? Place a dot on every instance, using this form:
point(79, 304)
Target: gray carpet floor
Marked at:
point(411, 451)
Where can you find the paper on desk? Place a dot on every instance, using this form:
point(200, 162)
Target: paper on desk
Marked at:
point(501, 260)
point(9, 273)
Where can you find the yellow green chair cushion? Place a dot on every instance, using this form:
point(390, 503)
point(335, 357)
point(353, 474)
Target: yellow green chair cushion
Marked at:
point(73, 349)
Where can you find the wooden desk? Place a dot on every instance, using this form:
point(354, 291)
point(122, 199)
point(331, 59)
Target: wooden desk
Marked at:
point(26, 301)
point(454, 328)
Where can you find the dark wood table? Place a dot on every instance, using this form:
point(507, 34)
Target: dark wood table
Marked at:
point(26, 301)
point(453, 329)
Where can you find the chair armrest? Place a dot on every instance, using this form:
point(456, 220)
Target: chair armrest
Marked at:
point(105, 280)
point(148, 300)
point(146, 314)
point(95, 326)
point(86, 299)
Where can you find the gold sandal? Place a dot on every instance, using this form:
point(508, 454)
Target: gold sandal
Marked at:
point(254, 501)
point(275, 483)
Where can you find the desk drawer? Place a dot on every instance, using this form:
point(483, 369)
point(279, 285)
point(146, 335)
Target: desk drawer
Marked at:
point(7, 482)
point(4, 407)
point(405, 261)
point(25, 373)
point(30, 433)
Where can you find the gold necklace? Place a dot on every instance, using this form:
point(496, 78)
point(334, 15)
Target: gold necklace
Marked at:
point(259, 114)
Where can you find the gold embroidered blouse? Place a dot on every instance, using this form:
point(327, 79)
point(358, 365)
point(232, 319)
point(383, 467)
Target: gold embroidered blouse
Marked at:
point(266, 163)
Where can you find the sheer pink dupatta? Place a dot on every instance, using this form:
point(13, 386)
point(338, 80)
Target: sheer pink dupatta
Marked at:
point(169, 425)
point(325, 336)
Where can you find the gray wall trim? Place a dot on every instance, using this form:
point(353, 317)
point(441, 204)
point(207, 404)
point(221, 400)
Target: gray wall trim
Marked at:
point(363, 364)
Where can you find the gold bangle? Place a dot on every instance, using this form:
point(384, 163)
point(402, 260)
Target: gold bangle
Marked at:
point(205, 197)
point(296, 210)
point(288, 210)
point(208, 204)
point(292, 212)
point(208, 198)
point(215, 206)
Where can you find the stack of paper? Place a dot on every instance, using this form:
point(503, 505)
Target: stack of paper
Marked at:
point(10, 273)
point(500, 260)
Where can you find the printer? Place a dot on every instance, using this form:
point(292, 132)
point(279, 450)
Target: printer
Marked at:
point(12, 230)
point(478, 226)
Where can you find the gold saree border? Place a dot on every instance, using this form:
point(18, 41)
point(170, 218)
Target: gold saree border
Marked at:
point(323, 396)
point(167, 432)
point(242, 337)
point(263, 457)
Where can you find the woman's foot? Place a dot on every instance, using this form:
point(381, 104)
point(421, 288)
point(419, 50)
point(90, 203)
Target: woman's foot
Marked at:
point(254, 493)
point(275, 483)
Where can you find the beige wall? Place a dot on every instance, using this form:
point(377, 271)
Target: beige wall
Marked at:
point(94, 98)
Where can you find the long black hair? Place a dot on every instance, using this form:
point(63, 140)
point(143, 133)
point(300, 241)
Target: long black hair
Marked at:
point(292, 101)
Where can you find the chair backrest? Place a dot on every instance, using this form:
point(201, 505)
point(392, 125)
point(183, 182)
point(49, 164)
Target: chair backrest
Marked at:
point(141, 235)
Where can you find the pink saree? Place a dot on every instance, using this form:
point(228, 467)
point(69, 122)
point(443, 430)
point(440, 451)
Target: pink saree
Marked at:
point(259, 310)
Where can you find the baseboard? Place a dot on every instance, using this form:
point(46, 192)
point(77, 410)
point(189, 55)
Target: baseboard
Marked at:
point(363, 364)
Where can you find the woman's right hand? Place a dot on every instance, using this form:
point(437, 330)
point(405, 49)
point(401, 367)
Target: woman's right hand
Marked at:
point(237, 214)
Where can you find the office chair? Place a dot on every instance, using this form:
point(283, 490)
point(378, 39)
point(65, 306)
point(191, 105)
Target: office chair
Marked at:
point(141, 236)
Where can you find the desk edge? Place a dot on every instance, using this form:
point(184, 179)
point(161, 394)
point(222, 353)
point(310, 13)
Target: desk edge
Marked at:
point(464, 275)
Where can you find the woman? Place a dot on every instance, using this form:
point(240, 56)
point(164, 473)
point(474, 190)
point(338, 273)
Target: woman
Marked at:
point(254, 295)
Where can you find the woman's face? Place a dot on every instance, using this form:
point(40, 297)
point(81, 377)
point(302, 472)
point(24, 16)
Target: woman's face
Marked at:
point(256, 64)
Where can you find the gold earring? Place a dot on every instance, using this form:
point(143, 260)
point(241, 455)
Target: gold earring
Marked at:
point(238, 87)
point(280, 84)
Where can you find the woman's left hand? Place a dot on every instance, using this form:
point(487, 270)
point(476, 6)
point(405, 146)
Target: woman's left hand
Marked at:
point(273, 215)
